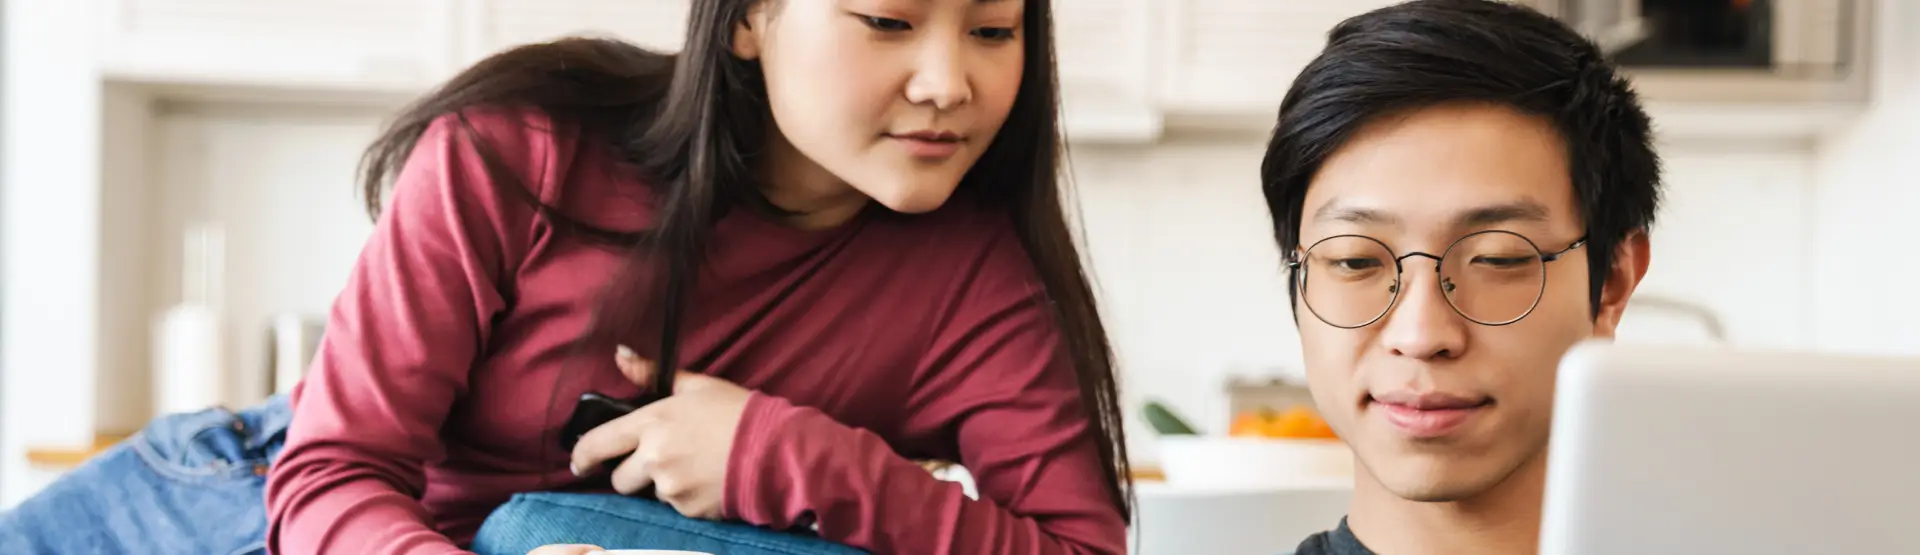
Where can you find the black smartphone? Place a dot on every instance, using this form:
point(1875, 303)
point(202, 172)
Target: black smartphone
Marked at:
point(590, 412)
point(594, 409)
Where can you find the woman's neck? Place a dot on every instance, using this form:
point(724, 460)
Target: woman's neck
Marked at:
point(795, 183)
point(1504, 520)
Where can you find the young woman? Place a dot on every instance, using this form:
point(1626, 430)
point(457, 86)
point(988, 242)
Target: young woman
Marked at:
point(839, 217)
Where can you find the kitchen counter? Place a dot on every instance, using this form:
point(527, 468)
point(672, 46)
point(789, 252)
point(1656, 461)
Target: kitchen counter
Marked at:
point(1264, 520)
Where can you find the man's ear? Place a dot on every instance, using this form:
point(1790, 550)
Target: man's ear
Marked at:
point(1630, 260)
point(750, 32)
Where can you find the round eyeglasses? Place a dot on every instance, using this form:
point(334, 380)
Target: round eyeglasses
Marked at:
point(1491, 277)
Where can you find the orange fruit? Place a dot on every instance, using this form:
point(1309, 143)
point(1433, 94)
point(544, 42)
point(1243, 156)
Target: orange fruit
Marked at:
point(1247, 424)
point(1300, 422)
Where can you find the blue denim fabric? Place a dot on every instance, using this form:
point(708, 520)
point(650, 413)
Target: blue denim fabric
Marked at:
point(610, 521)
point(195, 484)
point(190, 483)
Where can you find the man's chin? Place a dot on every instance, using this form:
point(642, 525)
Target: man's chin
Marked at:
point(1437, 492)
point(1439, 481)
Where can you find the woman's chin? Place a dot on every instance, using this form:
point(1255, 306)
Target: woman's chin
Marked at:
point(917, 201)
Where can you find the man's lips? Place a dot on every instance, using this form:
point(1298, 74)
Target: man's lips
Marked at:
point(1426, 415)
point(1431, 400)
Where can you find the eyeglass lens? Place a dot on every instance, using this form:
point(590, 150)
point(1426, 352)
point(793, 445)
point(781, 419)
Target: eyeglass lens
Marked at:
point(1492, 278)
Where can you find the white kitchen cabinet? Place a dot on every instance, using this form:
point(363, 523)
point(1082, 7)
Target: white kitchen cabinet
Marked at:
point(1105, 51)
point(1102, 46)
point(493, 25)
point(1228, 63)
point(323, 44)
point(1239, 56)
point(1612, 24)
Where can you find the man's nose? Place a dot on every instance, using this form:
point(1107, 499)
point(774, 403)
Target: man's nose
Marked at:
point(1422, 324)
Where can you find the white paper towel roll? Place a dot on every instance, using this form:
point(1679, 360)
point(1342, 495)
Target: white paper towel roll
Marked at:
point(187, 360)
point(189, 374)
point(295, 337)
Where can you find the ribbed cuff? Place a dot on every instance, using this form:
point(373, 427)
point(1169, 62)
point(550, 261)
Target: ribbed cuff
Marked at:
point(749, 457)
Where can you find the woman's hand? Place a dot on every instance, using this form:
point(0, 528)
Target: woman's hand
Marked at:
point(680, 444)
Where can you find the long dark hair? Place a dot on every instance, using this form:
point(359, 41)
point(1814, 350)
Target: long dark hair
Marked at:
point(692, 122)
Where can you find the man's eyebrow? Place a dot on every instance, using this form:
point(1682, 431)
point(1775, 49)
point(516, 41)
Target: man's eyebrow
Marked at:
point(1525, 210)
point(1333, 211)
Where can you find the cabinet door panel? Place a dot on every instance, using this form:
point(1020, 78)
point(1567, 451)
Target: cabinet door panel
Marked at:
point(350, 43)
point(657, 24)
point(1240, 55)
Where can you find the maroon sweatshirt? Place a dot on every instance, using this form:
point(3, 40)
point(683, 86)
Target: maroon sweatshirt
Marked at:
point(448, 366)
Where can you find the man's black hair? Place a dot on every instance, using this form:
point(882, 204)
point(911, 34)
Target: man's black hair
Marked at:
point(1429, 52)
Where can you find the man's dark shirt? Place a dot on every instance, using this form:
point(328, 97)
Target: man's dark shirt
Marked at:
point(1338, 541)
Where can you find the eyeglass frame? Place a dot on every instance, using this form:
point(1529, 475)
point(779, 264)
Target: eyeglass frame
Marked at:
point(1399, 270)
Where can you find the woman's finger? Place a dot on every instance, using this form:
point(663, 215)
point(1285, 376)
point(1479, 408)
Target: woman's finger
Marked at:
point(633, 475)
point(609, 441)
point(689, 382)
point(566, 549)
point(637, 370)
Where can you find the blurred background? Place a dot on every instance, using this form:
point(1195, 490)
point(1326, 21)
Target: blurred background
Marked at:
point(169, 160)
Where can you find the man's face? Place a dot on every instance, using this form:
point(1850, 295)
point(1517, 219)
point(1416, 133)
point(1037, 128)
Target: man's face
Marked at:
point(1438, 407)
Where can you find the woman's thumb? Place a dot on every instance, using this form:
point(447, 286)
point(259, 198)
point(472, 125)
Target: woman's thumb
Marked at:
point(637, 370)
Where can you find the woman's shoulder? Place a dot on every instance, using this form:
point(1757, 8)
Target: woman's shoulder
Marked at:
point(517, 135)
point(553, 159)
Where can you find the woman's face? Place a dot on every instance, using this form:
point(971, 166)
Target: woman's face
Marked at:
point(892, 100)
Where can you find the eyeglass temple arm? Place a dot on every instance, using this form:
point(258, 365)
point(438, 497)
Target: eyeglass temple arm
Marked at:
point(1581, 242)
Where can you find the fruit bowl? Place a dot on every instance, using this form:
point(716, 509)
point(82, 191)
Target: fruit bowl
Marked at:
point(1262, 448)
point(1225, 461)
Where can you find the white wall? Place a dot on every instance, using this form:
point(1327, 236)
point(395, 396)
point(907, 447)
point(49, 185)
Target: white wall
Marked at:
point(1868, 216)
point(279, 179)
point(49, 233)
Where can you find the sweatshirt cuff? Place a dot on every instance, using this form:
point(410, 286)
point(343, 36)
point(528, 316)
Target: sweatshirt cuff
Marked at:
point(752, 441)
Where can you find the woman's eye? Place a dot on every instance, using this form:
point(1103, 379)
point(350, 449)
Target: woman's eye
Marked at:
point(994, 33)
point(886, 24)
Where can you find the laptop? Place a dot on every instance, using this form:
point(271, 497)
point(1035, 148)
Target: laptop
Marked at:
point(1678, 449)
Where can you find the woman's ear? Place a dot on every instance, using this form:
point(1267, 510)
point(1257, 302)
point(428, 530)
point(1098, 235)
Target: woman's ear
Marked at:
point(749, 32)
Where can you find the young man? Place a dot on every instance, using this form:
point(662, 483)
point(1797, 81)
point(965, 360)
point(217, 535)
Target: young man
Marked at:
point(1462, 190)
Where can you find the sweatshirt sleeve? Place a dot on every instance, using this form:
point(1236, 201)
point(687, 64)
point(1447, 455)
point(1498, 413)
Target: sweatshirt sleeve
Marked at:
point(399, 344)
point(998, 383)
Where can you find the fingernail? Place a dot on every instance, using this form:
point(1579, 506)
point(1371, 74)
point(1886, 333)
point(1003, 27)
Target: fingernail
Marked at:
point(625, 352)
point(574, 469)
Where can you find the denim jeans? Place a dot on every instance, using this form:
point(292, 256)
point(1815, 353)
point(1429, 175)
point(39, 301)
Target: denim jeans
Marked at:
point(610, 521)
point(195, 484)
point(187, 483)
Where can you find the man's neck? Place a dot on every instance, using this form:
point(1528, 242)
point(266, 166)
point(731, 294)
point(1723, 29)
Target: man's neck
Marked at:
point(1504, 520)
